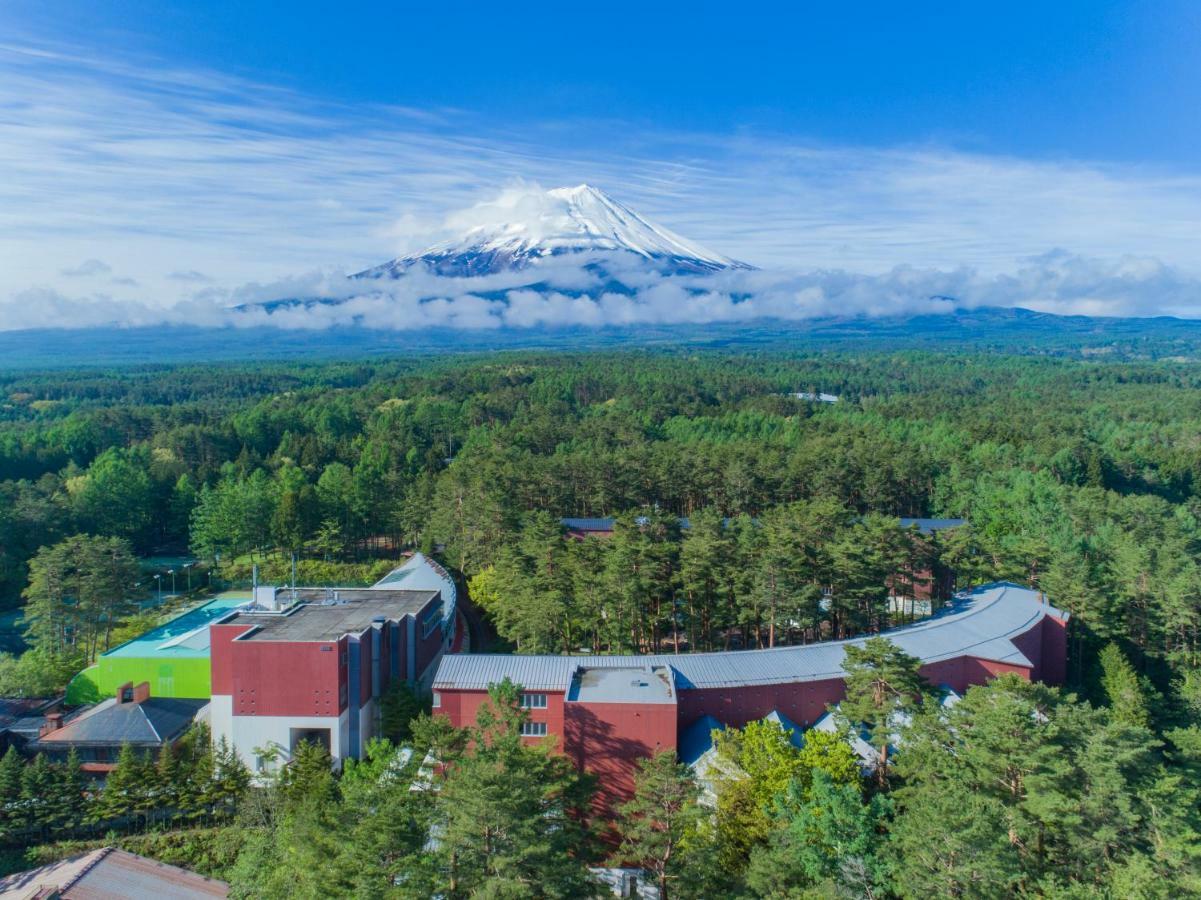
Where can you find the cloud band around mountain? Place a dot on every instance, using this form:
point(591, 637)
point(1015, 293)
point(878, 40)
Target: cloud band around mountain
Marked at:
point(577, 297)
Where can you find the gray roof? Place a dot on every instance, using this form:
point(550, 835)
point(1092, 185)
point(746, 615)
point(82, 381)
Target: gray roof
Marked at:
point(321, 617)
point(420, 573)
point(585, 524)
point(925, 526)
point(109, 872)
point(981, 623)
point(929, 526)
point(152, 722)
point(621, 684)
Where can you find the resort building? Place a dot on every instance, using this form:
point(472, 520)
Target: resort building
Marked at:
point(310, 664)
point(607, 712)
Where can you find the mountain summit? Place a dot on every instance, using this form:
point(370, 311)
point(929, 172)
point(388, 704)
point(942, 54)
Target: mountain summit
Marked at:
point(531, 229)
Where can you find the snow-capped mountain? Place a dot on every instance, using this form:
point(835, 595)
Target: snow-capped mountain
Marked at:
point(564, 221)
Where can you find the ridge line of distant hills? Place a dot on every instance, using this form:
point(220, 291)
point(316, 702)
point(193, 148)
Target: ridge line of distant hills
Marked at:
point(1008, 330)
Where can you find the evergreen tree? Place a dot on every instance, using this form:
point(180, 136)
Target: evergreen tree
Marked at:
point(883, 685)
point(125, 789)
point(1124, 691)
point(951, 842)
point(39, 783)
point(508, 818)
point(823, 833)
point(69, 798)
point(12, 811)
point(663, 813)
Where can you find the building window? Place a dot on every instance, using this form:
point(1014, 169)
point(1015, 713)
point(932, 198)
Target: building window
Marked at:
point(533, 701)
point(533, 729)
point(432, 620)
point(437, 699)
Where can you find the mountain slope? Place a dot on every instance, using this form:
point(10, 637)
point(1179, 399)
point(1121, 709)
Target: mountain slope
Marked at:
point(562, 222)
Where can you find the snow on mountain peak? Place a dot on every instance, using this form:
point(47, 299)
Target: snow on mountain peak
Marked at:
point(522, 227)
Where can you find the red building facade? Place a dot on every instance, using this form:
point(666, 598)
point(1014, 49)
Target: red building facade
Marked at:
point(607, 712)
point(316, 669)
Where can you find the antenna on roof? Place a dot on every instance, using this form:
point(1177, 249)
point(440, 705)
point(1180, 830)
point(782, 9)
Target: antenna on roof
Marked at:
point(293, 576)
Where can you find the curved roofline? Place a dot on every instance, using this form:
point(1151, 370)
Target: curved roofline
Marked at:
point(980, 623)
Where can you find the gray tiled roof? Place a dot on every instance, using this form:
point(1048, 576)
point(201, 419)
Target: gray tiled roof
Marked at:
point(151, 722)
point(980, 623)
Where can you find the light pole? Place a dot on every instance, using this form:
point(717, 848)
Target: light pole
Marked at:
point(158, 582)
point(171, 572)
point(187, 567)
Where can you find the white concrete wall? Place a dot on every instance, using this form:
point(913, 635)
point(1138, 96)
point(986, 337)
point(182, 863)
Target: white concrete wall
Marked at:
point(248, 733)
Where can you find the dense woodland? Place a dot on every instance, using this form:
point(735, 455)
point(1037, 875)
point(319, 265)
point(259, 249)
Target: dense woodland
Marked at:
point(1080, 476)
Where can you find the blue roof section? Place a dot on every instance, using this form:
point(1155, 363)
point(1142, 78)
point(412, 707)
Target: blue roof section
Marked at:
point(697, 739)
point(929, 526)
point(980, 623)
point(796, 734)
point(185, 636)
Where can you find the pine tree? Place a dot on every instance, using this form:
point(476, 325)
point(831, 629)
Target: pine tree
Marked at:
point(69, 800)
point(168, 778)
point(12, 811)
point(125, 788)
point(883, 683)
point(664, 811)
point(38, 787)
point(231, 779)
point(952, 842)
point(1127, 701)
point(509, 814)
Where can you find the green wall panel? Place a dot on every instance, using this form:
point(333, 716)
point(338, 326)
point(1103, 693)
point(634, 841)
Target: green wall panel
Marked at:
point(168, 677)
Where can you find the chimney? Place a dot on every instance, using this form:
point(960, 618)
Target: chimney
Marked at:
point(54, 721)
point(125, 693)
point(141, 692)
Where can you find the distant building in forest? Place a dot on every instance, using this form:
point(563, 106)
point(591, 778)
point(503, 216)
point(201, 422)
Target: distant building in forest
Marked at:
point(816, 397)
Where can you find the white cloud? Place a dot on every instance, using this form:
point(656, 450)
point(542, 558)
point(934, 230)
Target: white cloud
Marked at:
point(86, 269)
point(190, 275)
point(579, 297)
point(204, 189)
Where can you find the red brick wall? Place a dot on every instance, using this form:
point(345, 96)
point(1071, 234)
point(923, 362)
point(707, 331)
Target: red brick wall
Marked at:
point(283, 678)
point(461, 708)
point(804, 703)
point(608, 739)
point(1054, 650)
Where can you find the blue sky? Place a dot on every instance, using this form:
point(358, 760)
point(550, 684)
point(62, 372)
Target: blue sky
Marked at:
point(157, 151)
